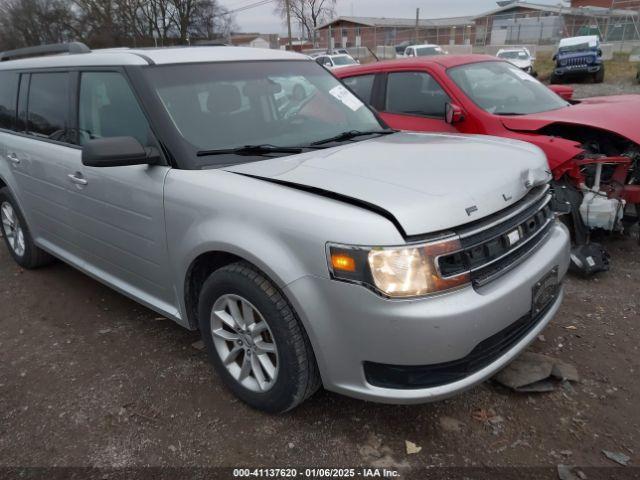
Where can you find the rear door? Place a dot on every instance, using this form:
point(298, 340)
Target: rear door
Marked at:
point(414, 101)
point(43, 152)
point(118, 212)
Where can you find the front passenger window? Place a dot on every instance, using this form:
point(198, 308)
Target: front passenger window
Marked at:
point(108, 108)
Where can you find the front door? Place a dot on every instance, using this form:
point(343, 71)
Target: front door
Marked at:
point(118, 211)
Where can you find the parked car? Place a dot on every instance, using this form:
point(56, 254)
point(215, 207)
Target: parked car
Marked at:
point(318, 248)
point(520, 57)
point(333, 62)
point(593, 145)
point(578, 57)
point(426, 50)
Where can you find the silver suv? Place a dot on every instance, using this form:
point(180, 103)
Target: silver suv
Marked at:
point(309, 244)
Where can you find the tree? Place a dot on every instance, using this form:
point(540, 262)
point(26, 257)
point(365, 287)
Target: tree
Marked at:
point(34, 22)
point(310, 14)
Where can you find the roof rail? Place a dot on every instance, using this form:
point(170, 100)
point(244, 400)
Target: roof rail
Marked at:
point(71, 48)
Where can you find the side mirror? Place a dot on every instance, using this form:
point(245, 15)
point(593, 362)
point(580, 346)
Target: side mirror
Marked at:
point(555, 57)
point(453, 114)
point(117, 152)
point(599, 52)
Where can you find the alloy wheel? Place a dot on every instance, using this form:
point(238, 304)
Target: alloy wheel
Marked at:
point(244, 342)
point(12, 229)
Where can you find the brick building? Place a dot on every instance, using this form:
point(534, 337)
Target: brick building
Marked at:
point(370, 31)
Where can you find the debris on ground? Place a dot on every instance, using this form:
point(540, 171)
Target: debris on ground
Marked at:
point(374, 453)
point(449, 424)
point(412, 448)
point(199, 345)
point(536, 373)
point(568, 472)
point(617, 457)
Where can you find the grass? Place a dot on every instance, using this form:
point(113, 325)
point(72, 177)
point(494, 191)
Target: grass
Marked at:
point(619, 69)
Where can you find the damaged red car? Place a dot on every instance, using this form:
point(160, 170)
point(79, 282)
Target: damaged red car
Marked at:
point(593, 145)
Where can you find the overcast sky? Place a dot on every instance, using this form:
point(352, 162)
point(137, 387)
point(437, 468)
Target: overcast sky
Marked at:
point(263, 20)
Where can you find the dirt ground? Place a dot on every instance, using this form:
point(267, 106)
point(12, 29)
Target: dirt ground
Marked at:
point(90, 378)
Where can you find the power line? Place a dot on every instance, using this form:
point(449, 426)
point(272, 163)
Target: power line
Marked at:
point(248, 7)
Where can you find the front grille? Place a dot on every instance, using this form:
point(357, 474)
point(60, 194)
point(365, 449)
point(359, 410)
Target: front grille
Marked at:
point(495, 245)
point(435, 375)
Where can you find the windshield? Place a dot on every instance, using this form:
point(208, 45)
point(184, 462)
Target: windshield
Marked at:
point(218, 106)
point(343, 60)
point(513, 55)
point(576, 48)
point(427, 51)
point(503, 89)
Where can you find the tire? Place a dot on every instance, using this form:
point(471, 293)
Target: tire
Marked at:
point(17, 236)
point(296, 375)
point(598, 77)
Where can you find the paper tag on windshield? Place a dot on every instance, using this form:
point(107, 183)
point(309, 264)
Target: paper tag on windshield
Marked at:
point(346, 97)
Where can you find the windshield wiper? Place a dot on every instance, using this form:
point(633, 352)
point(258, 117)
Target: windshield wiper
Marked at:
point(353, 134)
point(510, 114)
point(250, 150)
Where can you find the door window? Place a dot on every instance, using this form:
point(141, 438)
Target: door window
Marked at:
point(8, 99)
point(48, 106)
point(362, 85)
point(415, 93)
point(108, 108)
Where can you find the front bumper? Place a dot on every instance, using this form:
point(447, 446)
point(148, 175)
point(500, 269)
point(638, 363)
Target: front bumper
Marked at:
point(577, 70)
point(349, 325)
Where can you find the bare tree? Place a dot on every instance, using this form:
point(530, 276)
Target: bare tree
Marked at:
point(34, 22)
point(111, 23)
point(310, 14)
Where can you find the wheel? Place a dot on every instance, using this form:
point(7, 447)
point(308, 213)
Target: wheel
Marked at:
point(255, 340)
point(598, 77)
point(17, 236)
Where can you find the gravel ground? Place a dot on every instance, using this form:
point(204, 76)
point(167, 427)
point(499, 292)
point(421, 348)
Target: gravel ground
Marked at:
point(583, 90)
point(89, 378)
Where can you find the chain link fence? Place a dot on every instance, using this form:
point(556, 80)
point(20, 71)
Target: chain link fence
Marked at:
point(619, 31)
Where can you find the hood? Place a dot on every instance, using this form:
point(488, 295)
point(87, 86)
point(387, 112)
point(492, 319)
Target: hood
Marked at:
point(520, 63)
point(619, 114)
point(426, 182)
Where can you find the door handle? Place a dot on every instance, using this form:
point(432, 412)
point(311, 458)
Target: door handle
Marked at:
point(13, 158)
point(78, 180)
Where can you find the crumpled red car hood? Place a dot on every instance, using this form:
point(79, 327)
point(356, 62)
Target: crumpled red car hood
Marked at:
point(618, 114)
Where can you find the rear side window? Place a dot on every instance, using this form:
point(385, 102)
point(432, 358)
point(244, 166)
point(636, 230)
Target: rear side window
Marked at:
point(108, 108)
point(415, 93)
point(48, 105)
point(362, 86)
point(8, 99)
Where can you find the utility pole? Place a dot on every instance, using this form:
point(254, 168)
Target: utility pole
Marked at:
point(288, 7)
point(417, 24)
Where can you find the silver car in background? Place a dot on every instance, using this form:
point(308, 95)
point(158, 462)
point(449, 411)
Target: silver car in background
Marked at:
point(310, 245)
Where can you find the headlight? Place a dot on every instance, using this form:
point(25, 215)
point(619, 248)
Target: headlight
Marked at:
point(396, 272)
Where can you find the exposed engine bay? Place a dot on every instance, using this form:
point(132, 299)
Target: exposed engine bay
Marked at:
point(609, 163)
point(605, 194)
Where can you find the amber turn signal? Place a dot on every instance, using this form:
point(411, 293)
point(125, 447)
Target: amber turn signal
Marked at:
point(343, 262)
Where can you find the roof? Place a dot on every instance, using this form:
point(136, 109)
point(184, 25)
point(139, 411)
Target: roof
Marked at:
point(159, 56)
point(446, 61)
point(401, 22)
point(558, 9)
point(592, 40)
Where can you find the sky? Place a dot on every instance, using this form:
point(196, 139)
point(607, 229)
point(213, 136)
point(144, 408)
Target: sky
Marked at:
point(263, 19)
